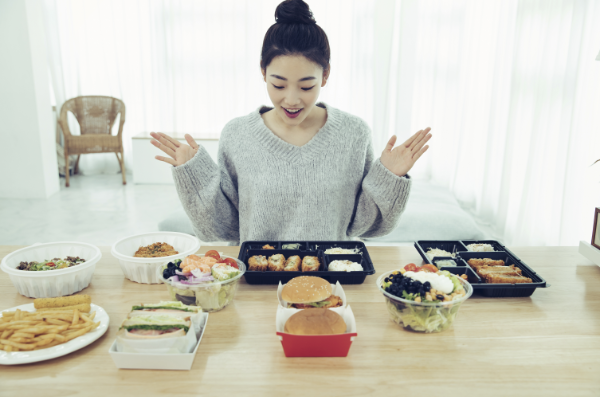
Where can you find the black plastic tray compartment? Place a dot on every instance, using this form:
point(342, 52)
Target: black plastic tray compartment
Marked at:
point(438, 259)
point(325, 245)
point(257, 245)
point(454, 247)
point(472, 277)
point(505, 290)
point(303, 245)
point(271, 277)
point(286, 254)
point(495, 244)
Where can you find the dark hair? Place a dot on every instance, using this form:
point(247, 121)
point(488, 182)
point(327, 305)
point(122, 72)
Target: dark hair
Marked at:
point(295, 33)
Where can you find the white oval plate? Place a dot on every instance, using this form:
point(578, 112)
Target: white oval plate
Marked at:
point(26, 357)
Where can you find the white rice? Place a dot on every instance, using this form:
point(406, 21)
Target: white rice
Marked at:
point(345, 266)
point(437, 281)
point(480, 247)
point(433, 252)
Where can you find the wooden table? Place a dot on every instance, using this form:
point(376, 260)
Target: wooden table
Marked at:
point(548, 344)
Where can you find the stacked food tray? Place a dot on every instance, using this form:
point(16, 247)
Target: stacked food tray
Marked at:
point(463, 255)
point(308, 248)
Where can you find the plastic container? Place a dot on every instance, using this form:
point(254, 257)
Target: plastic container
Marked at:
point(143, 270)
point(52, 283)
point(501, 252)
point(423, 316)
point(505, 290)
point(308, 248)
point(212, 297)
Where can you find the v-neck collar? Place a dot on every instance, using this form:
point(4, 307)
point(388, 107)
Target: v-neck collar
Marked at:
point(292, 153)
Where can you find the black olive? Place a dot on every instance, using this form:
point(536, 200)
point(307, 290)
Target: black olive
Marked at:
point(387, 280)
point(440, 297)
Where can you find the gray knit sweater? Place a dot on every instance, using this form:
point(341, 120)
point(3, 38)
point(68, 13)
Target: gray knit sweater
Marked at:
point(267, 189)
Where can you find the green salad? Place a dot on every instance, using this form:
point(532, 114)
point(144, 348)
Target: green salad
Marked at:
point(51, 264)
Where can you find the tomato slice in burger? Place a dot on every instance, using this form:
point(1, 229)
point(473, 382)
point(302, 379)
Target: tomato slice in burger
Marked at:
point(231, 262)
point(429, 268)
point(411, 267)
point(213, 253)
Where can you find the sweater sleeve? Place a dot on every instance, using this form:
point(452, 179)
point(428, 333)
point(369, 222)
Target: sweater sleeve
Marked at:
point(380, 200)
point(209, 196)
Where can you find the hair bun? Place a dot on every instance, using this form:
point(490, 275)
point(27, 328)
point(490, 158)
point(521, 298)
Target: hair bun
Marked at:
point(294, 12)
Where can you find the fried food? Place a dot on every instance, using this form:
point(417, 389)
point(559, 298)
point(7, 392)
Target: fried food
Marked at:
point(332, 301)
point(155, 250)
point(268, 247)
point(64, 301)
point(475, 263)
point(506, 279)
point(310, 264)
point(258, 263)
point(82, 307)
point(511, 270)
point(292, 264)
point(276, 262)
point(27, 331)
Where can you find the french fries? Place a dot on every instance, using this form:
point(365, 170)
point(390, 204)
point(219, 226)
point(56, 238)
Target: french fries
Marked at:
point(27, 331)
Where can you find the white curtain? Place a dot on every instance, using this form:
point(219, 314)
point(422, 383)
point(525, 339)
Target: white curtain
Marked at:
point(190, 66)
point(511, 90)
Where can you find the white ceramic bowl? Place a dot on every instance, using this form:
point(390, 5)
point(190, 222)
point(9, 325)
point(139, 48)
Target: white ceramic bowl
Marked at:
point(52, 283)
point(143, 270)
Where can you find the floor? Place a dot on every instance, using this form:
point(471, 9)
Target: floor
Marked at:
point(96, 209)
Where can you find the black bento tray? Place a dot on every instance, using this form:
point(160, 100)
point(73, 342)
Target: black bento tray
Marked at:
point(459, 247)
point(308, 248)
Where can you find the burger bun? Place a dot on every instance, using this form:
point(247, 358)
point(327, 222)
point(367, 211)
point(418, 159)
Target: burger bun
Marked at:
point(306, 289)
point(315, 322)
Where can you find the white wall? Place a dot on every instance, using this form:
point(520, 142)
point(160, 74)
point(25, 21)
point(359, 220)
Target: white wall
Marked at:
point(27, 149)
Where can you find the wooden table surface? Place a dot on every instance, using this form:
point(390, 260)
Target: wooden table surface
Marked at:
point(547, 344)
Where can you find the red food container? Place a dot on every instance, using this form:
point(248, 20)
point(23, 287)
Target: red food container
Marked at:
point(316, 345)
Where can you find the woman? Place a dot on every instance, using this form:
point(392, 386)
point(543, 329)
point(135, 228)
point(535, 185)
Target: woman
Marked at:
point(300, 170)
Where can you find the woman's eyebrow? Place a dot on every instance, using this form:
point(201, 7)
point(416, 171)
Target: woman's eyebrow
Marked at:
point(284, 79)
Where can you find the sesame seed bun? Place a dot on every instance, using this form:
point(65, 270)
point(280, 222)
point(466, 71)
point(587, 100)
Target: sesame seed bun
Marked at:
point(306, 289)
point(315, 322)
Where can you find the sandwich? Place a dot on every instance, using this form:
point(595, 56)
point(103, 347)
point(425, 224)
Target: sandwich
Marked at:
point(308, 292)
point(315, 322)
point(154, 327)
point(170, 308)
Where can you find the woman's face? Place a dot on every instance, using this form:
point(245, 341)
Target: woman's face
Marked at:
point(294, 83)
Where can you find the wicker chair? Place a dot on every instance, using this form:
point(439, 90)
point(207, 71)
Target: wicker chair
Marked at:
point(96, 116)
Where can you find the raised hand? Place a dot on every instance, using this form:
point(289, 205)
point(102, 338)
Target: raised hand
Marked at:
point(179, 153)
point(401, 159)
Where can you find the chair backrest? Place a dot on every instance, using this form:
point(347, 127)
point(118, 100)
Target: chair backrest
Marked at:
point(95, 114)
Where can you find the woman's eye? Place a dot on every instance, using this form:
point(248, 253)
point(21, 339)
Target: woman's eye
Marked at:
point(278, 87)
point(309, 88)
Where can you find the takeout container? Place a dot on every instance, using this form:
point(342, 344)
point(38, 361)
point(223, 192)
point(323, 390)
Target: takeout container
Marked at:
point(143, 270)
point(480, 286)
point(308, 248)
point(211, 297)
point(336, 290)
point(52, 283)
point(180, 361)
point(316, 345)
point(423, 316)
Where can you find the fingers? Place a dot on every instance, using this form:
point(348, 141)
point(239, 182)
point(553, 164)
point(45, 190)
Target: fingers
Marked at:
point(164, 148)
point(166, 140)
point(420, 153)
point(418, 145)
point(410, 140)
point(391, 143)
point(166, 160)
point(419, 138)
point(191, 141)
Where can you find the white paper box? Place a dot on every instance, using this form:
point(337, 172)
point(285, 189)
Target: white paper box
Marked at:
point(182, 361)
point(336, 288)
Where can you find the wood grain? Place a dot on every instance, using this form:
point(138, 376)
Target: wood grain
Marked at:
point(547, 344)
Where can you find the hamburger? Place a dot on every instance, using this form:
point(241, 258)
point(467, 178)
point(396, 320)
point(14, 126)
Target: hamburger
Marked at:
point(154, 327)
point(309, 292)
point(315, 322)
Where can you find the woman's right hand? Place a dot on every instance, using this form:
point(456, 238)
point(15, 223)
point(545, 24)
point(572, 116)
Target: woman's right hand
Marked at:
point(179, 153)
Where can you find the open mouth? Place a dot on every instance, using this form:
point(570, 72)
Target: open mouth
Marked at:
point(292, 113)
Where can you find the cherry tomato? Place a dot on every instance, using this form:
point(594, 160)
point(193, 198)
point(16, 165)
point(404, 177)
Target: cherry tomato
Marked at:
point(411, 267)
point(231, 262)
point(213, 254)
point(50, 264)
point(429, 268)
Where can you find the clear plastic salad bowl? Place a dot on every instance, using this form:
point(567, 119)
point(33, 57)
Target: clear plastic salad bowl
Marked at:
point(423, 316)
point(211, 296)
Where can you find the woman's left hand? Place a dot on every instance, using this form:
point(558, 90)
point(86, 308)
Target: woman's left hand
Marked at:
point(401, 159)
